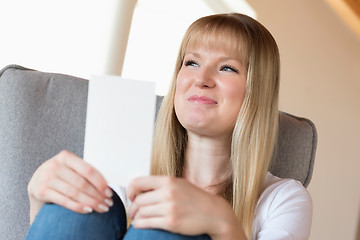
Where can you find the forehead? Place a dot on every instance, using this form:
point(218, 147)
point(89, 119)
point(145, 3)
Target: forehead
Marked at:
point(229, 44)
point(199, 49)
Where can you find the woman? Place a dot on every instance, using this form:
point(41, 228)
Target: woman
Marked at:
point(213, 142)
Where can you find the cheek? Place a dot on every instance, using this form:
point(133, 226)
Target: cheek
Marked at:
point(234, 93)
point(233, 100)
point(182, 81)
point(183, 84)
point(179, 96)
point(177, 102)
point(238, 97)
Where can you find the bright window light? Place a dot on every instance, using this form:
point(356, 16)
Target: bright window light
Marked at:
point(76, 37)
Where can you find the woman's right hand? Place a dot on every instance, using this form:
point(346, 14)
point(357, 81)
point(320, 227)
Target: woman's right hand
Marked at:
point(69, 181)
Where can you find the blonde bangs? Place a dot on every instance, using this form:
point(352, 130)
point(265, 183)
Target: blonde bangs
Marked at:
point(218, 34)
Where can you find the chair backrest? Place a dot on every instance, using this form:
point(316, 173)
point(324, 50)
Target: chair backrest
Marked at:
point(44, 113)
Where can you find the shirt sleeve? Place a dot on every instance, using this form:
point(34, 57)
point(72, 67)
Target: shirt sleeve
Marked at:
point(287, 213)
point(121, 191)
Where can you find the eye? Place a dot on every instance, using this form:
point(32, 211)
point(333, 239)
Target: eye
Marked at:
point(228, 68)
point(191, 63)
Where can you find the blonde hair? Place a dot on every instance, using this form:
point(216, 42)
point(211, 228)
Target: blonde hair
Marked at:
point(255, 131)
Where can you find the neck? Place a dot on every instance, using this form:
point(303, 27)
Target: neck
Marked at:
point(207, 161)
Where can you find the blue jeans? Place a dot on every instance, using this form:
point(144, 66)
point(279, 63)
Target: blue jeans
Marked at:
point(55, 222)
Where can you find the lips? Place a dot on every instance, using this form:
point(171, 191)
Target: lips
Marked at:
point(201, 100)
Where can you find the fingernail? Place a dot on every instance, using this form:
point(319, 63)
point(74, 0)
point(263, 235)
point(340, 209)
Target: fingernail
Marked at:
point(87, 209)
point(109, 202)
point(108, 193)
point(103, 207)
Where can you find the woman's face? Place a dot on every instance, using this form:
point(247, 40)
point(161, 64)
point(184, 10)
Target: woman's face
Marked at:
point(210, 90)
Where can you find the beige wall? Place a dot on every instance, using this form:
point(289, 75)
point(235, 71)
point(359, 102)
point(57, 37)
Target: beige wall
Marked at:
point(321, 80)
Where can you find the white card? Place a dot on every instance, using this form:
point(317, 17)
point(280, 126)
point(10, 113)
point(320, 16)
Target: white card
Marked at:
point(119, 127)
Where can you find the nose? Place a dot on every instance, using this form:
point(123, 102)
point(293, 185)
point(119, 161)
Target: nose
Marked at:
point(205, 79)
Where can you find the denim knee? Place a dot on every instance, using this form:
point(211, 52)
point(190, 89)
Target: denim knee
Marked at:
point(157, 234)
point(55, 222)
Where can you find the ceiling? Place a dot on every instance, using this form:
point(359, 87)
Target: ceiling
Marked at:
point(349, 11)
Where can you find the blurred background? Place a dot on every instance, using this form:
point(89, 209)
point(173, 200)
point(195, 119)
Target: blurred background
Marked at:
point(319, 42)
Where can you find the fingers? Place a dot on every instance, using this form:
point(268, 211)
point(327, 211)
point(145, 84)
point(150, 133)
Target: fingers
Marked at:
point(144, 191)
point(169, 203)
point(68, 203)
point(148, 183)
point(69, 181)
point(70, 195)
point(154, 222)
point(82, 183)
point(144, 199)
point(86, 171)
point(158, 216)
point(68, 175)
point(155, 210)
point(176, 205)
point(155, 196)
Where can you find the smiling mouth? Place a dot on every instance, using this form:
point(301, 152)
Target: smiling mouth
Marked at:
point(202, 100)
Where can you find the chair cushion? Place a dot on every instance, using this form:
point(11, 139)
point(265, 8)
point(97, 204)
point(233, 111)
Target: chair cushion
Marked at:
point(40, 115)
point(295, 151)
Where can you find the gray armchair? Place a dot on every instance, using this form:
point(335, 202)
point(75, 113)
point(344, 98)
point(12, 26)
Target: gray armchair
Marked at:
point(44, 113)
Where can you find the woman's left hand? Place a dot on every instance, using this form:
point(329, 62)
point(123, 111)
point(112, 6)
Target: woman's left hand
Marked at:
point(175, 205)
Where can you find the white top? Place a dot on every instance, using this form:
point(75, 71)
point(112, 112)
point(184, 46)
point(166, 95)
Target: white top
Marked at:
point(284, 210)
